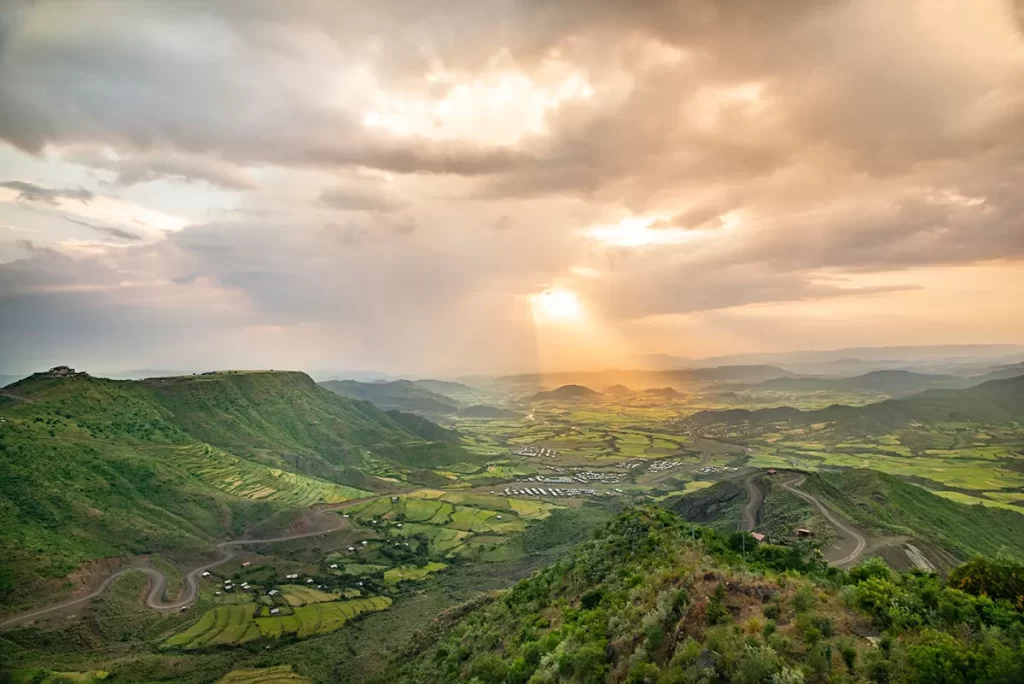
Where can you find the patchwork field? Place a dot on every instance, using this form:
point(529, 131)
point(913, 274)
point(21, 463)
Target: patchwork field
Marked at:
point(238, 624)
point(447, 520)
point(969, 465)
point(411, 572)
point(249, 480)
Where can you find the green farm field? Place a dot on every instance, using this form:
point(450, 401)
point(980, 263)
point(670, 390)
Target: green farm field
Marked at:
point(238, 624)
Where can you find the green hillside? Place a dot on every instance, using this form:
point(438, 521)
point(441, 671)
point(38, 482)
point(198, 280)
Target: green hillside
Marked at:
point(485, 411)
point(875, 501)
point(403, 395)
point(650, 600)
point(995, 401)
point(883, 502)
point(93, 468)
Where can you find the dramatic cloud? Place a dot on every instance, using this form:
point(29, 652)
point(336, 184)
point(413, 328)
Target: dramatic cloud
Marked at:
point(388, 184)
point(36, 193)
point(106, 230)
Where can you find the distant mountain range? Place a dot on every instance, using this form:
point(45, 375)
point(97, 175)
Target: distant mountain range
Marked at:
point(403, 395)
point(891, 382)
point(643, 379)
point(990, 402)
point(567, 393)
point(958, 358)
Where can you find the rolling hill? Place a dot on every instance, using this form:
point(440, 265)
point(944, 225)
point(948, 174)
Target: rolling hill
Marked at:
point(93, 468)
point(995, 401)
point(403, 395)
point(890, 382)
point(484, 411)
point(567, 393)
point(873, 500)
point(649, 599)
point(663, 393)
point(884, 502)
point(1012, 371)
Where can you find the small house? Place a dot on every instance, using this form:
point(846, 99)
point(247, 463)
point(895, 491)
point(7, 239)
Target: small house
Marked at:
point(334, 566)
point(246, 564)
point(758, 536)
point(275, 611)
point(206, 574)
point(309, 581)
point(772, 471)
point(804, 533)
point(363, 542)
point(351, 548)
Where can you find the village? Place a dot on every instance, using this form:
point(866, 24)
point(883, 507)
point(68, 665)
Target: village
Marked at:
point(530, 450)
point(558, 491)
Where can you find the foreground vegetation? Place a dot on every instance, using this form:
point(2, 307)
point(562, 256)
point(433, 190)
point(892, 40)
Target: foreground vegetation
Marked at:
point(652, 600)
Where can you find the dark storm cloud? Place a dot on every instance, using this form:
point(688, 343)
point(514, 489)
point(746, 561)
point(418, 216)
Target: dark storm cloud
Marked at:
point(37, 193)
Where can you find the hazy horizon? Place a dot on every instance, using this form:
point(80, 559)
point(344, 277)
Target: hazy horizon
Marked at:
point(505, 186)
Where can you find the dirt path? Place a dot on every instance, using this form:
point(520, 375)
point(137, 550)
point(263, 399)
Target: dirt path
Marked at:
point(755, 497)
point(158, 581)
point(852, 543)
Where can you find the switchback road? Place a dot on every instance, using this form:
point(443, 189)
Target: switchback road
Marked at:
point(158, 581)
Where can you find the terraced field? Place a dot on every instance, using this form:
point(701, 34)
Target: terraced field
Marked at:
point(282, 674)
point(249, 480)
point(238, 624)
point(448, 520)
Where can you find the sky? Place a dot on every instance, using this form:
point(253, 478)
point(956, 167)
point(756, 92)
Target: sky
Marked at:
point(502, 185)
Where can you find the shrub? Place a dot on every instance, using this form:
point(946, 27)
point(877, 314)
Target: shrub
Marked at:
point(803, 600)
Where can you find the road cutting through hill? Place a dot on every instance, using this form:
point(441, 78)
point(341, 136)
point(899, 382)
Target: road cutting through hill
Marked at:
point(158, 581)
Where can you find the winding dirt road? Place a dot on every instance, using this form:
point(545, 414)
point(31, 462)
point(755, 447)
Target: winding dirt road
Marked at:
point(860, 542)
point(158, 581)
point(755, 497)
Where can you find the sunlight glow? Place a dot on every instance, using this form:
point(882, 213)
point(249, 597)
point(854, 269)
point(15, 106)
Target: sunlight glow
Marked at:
point(637, 232)
point(500, 107)
point(558, 305)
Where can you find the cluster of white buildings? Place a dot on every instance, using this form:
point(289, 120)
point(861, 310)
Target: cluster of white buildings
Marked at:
point(717, 469)
point(548, 491)
point(661, 466)
point(530, 450)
